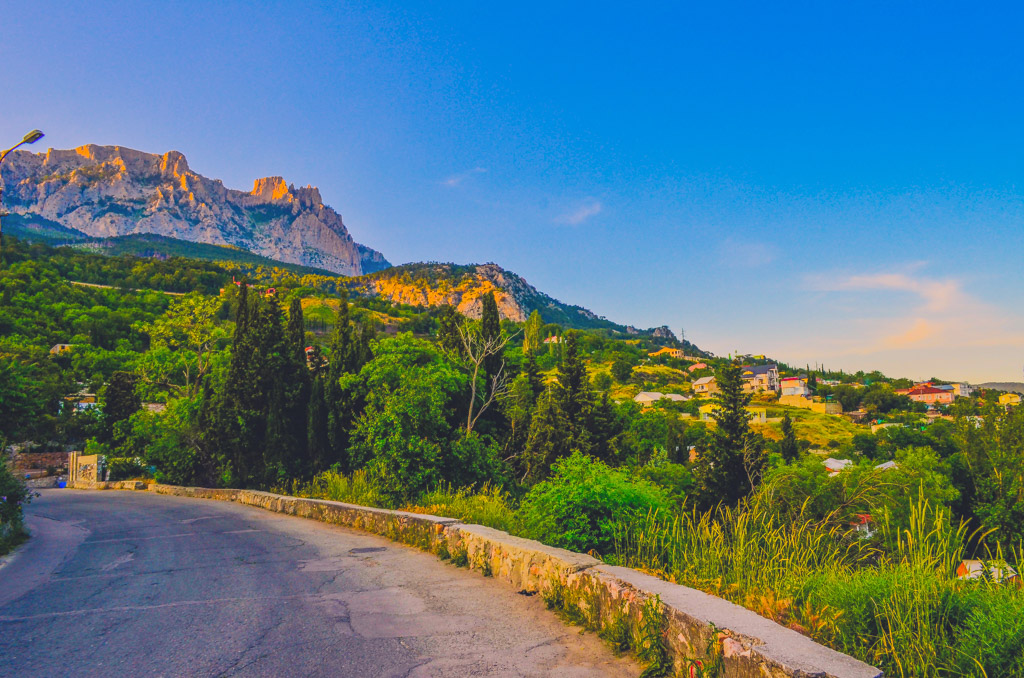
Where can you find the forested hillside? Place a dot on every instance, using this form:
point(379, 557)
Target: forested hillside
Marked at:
point(261, 377)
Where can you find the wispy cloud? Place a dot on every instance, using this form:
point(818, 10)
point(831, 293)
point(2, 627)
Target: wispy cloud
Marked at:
point(939, 313)
point(457, 179)
point(589, 207)
point(745, 253)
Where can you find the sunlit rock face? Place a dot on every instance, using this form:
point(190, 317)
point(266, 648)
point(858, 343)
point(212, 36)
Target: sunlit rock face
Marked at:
point(107, 191)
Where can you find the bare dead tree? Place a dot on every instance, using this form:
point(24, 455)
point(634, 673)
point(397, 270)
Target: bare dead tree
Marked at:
point(477, 349)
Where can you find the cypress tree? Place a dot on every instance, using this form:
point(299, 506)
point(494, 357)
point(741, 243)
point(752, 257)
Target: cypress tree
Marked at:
point(318, 441)
point(721, 469)
point(549, 438)
point(448, 323)
point(296, 382)
point(788, 447)
point(490, 330)
point(576, 397)
point(531, 332)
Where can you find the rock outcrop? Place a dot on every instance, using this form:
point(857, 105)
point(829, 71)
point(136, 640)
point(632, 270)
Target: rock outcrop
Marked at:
point(106, 191)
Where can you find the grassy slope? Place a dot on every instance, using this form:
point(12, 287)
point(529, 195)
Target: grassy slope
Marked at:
point(813, 426)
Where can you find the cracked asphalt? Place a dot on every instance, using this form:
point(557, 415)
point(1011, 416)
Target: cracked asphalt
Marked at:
point(130, 583)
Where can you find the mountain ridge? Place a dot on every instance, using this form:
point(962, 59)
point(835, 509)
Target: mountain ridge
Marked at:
point(109, 191)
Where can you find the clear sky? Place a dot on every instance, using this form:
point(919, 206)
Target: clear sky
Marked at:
point(836, 183)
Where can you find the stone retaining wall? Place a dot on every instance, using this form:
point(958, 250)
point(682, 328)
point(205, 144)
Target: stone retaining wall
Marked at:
point(695, 626)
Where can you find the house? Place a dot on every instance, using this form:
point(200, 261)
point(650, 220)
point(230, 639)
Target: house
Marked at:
point(705, 386)
point(1009, 399)
point(806, 402)
point(887, 466)
point(57, 349)
point(670, 352)
point(977, 569)
point(760, 378)
point(81, 400)
point(794, 386)
point(962, 390)
point(863, 526)
point(553, 340)
point(834, 466)
point(155, 408)
point(648, 398)
point(697, 366)
point(930, 395)
point(758, 415)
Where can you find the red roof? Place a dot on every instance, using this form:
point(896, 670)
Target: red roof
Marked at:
point(922, 390)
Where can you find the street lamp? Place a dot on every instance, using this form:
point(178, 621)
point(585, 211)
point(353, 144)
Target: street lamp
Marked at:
point(30, 138)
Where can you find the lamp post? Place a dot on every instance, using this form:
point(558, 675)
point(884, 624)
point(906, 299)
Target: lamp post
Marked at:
point(30, 138)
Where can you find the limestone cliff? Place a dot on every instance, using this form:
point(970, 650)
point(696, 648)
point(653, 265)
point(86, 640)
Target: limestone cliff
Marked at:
point(464, 288)
point(106, 191)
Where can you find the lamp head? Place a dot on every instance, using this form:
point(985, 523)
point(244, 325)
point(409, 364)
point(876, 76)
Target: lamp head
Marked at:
point(32, 137)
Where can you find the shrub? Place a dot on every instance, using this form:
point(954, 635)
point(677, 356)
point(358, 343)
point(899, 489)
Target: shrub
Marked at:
point(488, 506)
point(580, 505)
point(13, 495)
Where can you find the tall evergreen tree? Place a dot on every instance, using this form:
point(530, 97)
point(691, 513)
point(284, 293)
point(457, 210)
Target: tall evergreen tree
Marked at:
point(317, 440)
point(296, 386)
point(727, 467)
point(788, 447)
point(576, 398)
point(490, 330)
point(550, 438)
point(448, 323)
point(532, 340)
point(120, 400)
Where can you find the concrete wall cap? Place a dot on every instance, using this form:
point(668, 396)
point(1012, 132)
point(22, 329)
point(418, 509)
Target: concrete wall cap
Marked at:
point(798, 654)
point(425, 517)
point(575, 561)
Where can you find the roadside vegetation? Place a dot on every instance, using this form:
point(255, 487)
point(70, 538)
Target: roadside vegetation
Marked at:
point(269, 378)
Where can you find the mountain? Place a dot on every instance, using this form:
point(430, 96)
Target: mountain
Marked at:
point(463, 287)
point(1009, 386)
point(108, 191)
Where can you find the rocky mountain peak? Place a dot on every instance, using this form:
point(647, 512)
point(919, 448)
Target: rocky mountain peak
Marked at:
point(106, 191)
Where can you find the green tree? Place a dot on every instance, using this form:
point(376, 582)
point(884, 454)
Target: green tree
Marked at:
point(532, 339)
point(189, 333)
point(120, 400)
point(448, 323)
point(622, 370)
point(728, 466)
point(490, 332)
point(788, 446)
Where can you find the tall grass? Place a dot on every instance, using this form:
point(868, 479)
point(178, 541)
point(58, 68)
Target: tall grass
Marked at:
point(487, 505)
point(902, 609)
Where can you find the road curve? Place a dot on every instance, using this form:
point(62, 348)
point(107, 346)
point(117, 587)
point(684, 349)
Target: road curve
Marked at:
point(130, 583)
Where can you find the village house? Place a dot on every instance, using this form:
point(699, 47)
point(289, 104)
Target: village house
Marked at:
point(995, 572)
point(757, 378)
point(670, 352)
point(834, 466)
point(758, 415)
point(57, 349)
point(81, 400)
point(648, 398)
point(1009, 399)
point(794, 386)
point(806, 402)
point(553, 340)
point(930, 395)
point(705, 386)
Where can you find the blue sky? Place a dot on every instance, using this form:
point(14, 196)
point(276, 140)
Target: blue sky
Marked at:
point(835, 183)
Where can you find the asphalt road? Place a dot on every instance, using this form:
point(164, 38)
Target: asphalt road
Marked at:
point(133, 584)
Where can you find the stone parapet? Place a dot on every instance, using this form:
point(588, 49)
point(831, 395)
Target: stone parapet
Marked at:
point(695, 627)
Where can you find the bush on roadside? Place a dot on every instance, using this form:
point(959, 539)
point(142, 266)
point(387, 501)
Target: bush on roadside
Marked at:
point(580, 505)
point(13, 496)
